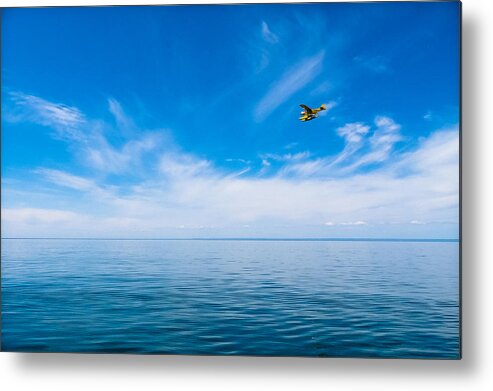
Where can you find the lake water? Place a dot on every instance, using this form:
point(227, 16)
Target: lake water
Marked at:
point(287, 298)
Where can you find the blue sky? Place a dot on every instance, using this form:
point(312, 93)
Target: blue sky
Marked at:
point(182, 121)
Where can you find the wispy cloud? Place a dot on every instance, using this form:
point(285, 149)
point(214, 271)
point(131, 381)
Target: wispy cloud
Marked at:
point(123, 121)
point(359, 222)
point(103, 193)
point(376, 64)
point(292, 81)
point(291, 145)
point(189, 191)
point(286, 157)
point(195, 194)
point(345, 223)
point(100, 154)
point(268, 35)
point(67, 180)
point(382, 142)
point(183, 165)
point(87, 136)
point(364, 145)
point(65, 120)
point(37, 215)
point(238, 160)
point(261, 48)
point(353, 134)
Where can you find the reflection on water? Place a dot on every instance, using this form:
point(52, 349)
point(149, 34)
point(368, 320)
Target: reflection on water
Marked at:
point(296, 298)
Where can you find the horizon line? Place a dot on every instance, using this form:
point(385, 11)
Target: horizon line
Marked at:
point(252, 239)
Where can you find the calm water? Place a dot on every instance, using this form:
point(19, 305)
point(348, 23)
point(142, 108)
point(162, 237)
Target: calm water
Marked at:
point(310, 298)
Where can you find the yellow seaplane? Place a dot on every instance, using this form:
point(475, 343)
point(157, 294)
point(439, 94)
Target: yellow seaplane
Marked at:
point(308, 114)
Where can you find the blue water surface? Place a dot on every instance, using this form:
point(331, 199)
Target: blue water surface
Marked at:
point(241, 297)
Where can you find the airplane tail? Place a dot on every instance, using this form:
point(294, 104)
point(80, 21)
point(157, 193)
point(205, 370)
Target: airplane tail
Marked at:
point(323, 107)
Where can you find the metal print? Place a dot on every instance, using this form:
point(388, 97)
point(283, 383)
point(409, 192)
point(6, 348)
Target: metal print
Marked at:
point(267, 179)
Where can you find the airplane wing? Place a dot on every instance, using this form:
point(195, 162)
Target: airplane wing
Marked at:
point(307, 109)
point(306, 117)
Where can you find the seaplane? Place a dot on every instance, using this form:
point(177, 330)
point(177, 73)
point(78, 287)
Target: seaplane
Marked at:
point(308, 114)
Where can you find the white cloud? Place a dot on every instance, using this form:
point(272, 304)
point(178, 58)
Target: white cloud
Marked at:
point(65, 120)
point(291, 145)
point(302, 191)
point(359, 222)
point(287, 157)
point(268, 35)
point(67, 180)
point(100, 154)
point(306, 168)
point(417, 222)
point(36, 215)
point(197, 194)
point(238, 160)
point(377, 64)
point(381, 143)
point(200, 199)
point(87, 137)
point(291, 82)
point(239, 173)
point(123, 122)
point(436, 152)
point(364, 145)
point(353, 134)
point(182, 165)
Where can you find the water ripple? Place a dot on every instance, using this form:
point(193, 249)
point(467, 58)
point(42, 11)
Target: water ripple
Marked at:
point(336, 299)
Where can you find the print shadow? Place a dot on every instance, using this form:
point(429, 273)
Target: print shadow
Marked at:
point(471, 185)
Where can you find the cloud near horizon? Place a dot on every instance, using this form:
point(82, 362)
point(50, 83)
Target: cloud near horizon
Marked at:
point(181, 192)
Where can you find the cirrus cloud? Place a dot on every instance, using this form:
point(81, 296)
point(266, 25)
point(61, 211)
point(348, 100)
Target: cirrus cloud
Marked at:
point(181, 192)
